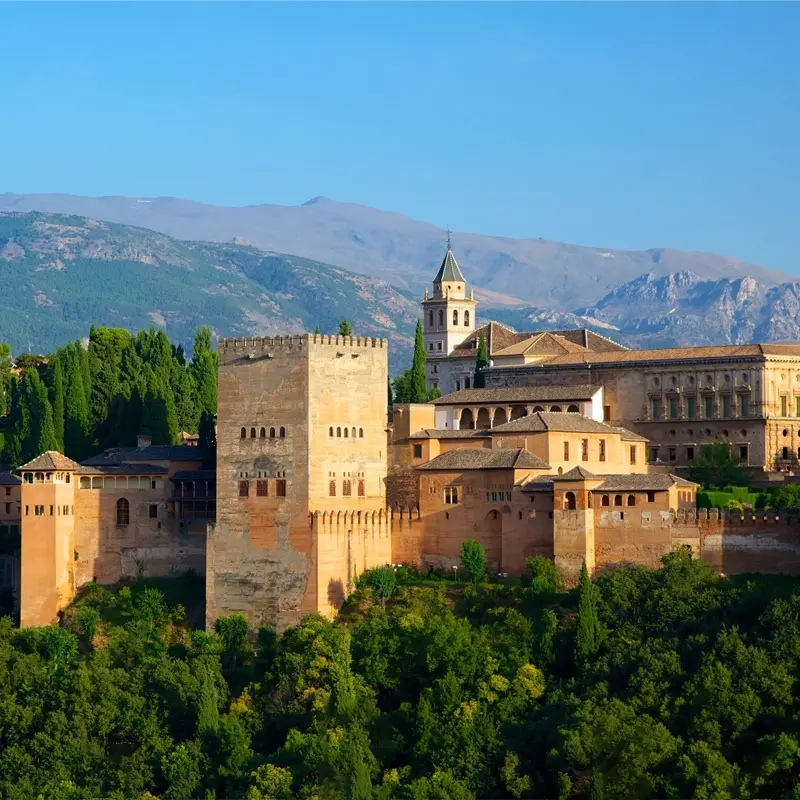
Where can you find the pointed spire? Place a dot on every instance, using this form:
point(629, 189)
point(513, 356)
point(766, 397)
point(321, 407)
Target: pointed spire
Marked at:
point(448, 237)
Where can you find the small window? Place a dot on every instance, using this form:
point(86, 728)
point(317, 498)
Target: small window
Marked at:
point(331, 488)
point(330, 431)
point(252, 433)
point(280, 488)
point(282, 432)
point(566, 451)
point(631, 500)
point(573, 409)
point(605, 500)
point(467, 383)
point(602, 449)
point(690, 453)
point(743, 453)
point(450, 495)
point(673, 453)
point(674, 411)
point(430, 346)
point(262, 433)
point(262, 488)
point(346, 433)
point(455, 317)
point(417, 451)
point(123, 511)
point(361, 488)
point(633, 454)
point(347, 489)
point(784, 405)
point(27, 511)
point(651, 497)
point(272, 433)
point(244, 488)
point(51, 510)
point(360, 433)
point(606, 413)
point(584, 449)
point(441, 317)
point(438, 346)
point(338, 433)
point(353, 433)
point(153, 511)
point(617, 499)
point(243, 434)
point(466, 319)
point(430, 319)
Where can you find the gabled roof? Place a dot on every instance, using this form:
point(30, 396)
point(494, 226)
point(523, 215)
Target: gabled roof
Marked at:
point(154, 452)
point(449, 270)
point(658, 481)
point(542, 344)
point(49, 462)
point(482, 458)
point(451, 433)
point(577, 474)
point(9, 479)
point(518, 394)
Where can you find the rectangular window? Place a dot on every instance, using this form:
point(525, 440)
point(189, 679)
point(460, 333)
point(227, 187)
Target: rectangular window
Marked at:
point(332, 488)
point(417, 451)
point(633, 454)
point(744, 405)
point(153, 511)
point(346, 488)
point(8, 508)
point(743, 453)
point(654, 454)
point(691, 407)
point(38, 511)
point(606, 413)
point(27, 511)
point(244, 488)
point(674, 411)
point(655, 408)
point(726, 406)
point(566, 451)
point(602, 449)
point(584, 449)
point(784, 403)
point(450, 495)
point(708, 403)
point(361, 492)
point(438, 345)
point(690, 453)
point(52, 510)
point(785, 453)
point(673, 453)
point(262, 488)
point(280, 488)
point(8, 488)
point(651, 497)
point(430, 346)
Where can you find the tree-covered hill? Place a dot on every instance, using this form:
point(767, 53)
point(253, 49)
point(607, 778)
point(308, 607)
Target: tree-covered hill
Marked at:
point(644, 684)
point(61, 274)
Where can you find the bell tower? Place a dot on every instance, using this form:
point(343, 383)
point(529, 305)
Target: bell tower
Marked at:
point(448, 315)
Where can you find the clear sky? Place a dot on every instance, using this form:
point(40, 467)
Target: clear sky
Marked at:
point(623, 125)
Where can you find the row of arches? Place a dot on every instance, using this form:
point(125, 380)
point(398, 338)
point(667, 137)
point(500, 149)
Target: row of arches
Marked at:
point(274, 433)
point(455, 318)
point(485, 418)
point(570, 501)
point(349, 433)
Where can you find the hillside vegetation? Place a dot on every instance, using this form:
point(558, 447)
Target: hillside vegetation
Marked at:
point(645, 684)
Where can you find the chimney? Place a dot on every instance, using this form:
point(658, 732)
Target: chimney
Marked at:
point(143, 440)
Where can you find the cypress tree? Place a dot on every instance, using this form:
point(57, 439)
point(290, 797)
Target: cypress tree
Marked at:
point(159, 417)
point(204, 371)
point(208, 707)
point(390, 396)
point(419, 392)
point(41, 434)
point(481, 362)
point(106, 348)
point(77, 442)
point(5, 376)
point(58, 404)
point(587, 636)
point(19, 420)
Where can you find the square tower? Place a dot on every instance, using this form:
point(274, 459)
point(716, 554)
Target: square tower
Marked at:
point(301, 475)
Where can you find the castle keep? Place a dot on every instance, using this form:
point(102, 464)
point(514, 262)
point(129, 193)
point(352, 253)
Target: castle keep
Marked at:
point(569, 452)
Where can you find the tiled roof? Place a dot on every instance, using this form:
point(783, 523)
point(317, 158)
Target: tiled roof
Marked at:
point(154, 452)
point(553, 421)
point(539, 483)
point(541, 343)
point(9, 479)
point(497, 336)
point(577, 474)
point(49, 461)
point(630, 436)
point(450, 433)
point(518, 394)
point(195, 475)
point(658, 481)
point(122, 469)
point(449, 270)
point(483, 458)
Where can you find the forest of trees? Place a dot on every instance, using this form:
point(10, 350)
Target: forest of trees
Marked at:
point(642, 684)
point(82, 400)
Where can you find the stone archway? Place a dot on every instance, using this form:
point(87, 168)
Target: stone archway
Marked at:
point(483, 422)
point(570, 503)
point(466, 421)
point(499, 417)
point(517, 412)
point(573, 409)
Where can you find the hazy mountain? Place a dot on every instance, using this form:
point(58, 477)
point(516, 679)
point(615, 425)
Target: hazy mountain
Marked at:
point(59, 274)
point(403, 251)
point(678, 309)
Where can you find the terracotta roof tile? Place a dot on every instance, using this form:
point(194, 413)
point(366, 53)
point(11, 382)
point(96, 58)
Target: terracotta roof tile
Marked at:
point(658, 481)
point(122, 469)
point(50, 461)
point(9, 479)
point(518, 394)
point(154, 452)
point(450, 433)
point(553, 421)
point(577, 474)
point(483, 458)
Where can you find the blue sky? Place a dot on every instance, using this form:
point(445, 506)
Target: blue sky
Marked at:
point(623, 125)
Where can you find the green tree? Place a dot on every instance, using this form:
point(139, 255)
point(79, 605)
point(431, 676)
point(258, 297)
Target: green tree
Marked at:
point(77, 440)
point(204, 372)
point(159, 418)
point(587, 634)
point(481, 362)
point(5, 375)
point(545, 575)
point(716, 466)
point(383, 581)
point(18, 424)
point(41, 434)
point(345, 329)
point(473, 559)
point(417, 389)
point(390, 397)
point(106, 346)
point(58, 404)
point(402, 388)
point(270, 783)
point(786, 496)
point(208, 704)
point(316, 331)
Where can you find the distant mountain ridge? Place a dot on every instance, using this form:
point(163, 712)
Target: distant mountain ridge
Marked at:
point(402, 251)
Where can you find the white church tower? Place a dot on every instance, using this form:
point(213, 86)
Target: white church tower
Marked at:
point(448, 317)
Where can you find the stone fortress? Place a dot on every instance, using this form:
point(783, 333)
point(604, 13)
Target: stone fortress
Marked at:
point(572, 451)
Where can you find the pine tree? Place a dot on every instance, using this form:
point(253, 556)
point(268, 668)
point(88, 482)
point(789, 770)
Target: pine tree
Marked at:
point(204, 371)
point(345, 329)
point(481, 362)
point(587, 636)
point(58, 403)
point(419, 392)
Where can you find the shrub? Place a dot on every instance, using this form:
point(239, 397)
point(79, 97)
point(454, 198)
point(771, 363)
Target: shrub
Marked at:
point(473, 559)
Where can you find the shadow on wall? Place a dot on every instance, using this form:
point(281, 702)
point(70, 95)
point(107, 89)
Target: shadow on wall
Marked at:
point(335, 594)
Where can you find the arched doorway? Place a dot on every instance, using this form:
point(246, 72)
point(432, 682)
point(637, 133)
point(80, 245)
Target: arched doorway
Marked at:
point(569, 501)
point(483, 422)
point(466, 421)
point(499, 417)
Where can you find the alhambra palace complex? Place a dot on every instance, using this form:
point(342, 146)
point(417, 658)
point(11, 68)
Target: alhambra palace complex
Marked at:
point(572, 451)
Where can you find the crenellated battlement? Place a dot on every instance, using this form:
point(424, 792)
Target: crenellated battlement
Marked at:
point(343, 522)
point(246, 344)
point(784, 516)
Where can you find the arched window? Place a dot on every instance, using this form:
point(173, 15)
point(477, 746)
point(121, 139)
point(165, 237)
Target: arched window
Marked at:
point(537, 409)
point(282, 432)
point(272, 433)
point(330, 431)
point(263, 433)
point(252, 433)
point(555, 409)
point(339, 433)
point(430, 318)
point(617, 499)
point(244, 433)
point(123, 511)
point(466, 319)
point(569, 501)
point(441, 317)
point(353, 433)
point(332, 488)
point(605, 501)
point(631, 500)
point(573, 409)
point(346, 433)
point(455, 316)
point(360, 433)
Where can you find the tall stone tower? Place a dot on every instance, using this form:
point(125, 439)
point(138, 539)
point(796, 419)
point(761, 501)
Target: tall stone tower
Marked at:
point(448, 316)
point(301, 475)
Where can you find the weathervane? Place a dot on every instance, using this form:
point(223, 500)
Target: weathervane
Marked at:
point(448, 237)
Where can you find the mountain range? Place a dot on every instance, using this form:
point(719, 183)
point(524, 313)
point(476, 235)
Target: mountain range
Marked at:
point(402, 251)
